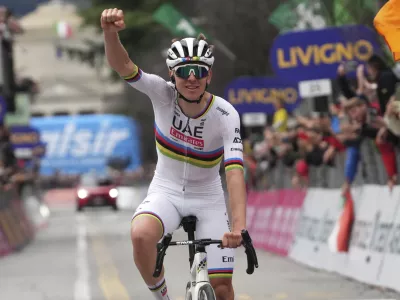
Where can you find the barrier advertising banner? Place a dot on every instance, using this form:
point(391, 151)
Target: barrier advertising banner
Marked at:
point(272, 217)
point(258, 94)
point(315, 54)
point(374, 253)
point(371, 231)
point(315, 226)
point(4, 245)
point(16, 231)
point(390, 233)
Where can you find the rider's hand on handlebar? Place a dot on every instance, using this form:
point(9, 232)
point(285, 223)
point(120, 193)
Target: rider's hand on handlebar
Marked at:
point(112, 20)
point(232, 239)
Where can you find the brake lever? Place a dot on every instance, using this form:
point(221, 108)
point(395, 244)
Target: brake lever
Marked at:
point(251, 254)
point(161, 251)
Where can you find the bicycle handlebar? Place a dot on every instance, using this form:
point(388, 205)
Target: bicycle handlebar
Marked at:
point(251, 254)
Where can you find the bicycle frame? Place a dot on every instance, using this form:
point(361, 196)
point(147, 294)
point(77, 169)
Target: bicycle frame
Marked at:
point(199, 279)
point(198, 274)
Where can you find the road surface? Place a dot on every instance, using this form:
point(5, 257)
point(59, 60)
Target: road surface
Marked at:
point(88, 256)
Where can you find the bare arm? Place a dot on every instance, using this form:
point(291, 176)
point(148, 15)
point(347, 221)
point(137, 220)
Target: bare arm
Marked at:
point(112, 21)
point(233, 160)
point(116, 54)
point(304, 121)
point(360, 79)
point(158, 90)
point(237, 198)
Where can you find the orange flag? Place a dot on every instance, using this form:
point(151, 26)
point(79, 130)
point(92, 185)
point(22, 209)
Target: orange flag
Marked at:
point(387, 23)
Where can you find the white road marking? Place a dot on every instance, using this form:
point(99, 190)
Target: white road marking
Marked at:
point(82, 287)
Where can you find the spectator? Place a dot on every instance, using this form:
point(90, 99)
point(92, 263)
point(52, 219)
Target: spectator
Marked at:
point(363, 111)
point(366, 123)
point(300, 178)
point(391, 132)
point(280, 118)
point(377, 82)
point(385, 79)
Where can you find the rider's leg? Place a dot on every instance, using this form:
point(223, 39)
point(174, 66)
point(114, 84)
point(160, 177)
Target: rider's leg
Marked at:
point(212, 223)
point(223, 288)
point(153, 218)
point(145, 233)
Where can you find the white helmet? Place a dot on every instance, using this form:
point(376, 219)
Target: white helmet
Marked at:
point(189, 50)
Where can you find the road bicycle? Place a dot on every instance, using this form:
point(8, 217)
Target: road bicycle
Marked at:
point(199, 287)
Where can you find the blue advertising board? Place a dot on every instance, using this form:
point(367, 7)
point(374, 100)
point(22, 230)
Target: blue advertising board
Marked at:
point(258, 94)
point(79, 144)
point(315, 54)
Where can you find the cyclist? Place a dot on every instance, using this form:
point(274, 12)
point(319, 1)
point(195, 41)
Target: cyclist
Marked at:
point(194, 130)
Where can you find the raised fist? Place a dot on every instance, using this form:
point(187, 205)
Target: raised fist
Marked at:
point(112, 20)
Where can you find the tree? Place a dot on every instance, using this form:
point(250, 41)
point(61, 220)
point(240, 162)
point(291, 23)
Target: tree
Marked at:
point(315, 14)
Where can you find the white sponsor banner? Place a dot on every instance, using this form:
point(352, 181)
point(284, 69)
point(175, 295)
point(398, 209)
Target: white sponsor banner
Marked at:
point(338, 261)
point(310, 229)
point(320, 212)
point(370, 233)
point(374, 254)
point(389, 272)
point(333, 204)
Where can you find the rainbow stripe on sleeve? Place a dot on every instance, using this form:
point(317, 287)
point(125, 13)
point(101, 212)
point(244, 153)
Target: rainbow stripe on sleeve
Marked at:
point(135, 76)
point(233, 163)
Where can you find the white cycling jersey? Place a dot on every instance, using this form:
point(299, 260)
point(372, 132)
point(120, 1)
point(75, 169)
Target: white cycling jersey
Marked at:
point(190, 150)
point(187, 180)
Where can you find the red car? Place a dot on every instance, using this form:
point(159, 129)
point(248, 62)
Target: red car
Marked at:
point(94, 192)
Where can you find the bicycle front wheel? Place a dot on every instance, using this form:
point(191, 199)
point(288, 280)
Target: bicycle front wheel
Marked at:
point(188, 295)
point(206, 292)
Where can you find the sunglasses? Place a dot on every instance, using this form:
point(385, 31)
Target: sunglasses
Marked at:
point(199, 71)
